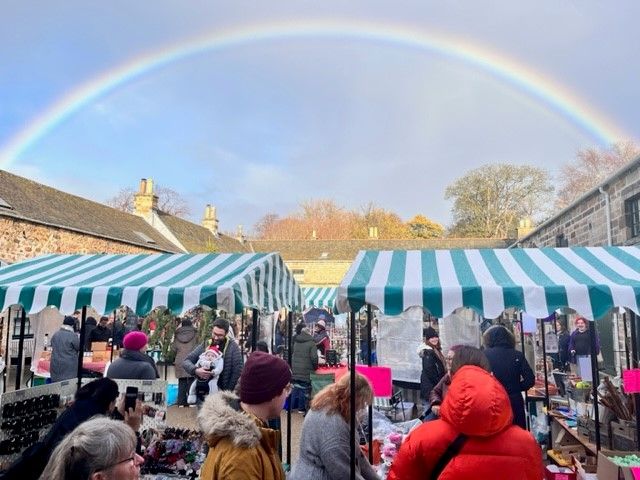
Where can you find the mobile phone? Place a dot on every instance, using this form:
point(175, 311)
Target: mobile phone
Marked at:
point(130, 398)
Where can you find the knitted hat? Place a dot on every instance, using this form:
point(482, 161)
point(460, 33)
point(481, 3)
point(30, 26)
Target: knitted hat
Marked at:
point(430, 332)
point(263, 378)
point(69, 321)
point(134, 340)
point(322, 324)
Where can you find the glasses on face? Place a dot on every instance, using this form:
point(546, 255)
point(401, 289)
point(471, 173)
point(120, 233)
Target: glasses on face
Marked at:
point(133, 460)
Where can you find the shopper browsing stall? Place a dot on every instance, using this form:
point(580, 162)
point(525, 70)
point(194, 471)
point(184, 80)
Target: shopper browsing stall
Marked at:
point(433, 362)
point(510, 367)
point(241, 446)
point(133, 363)
point(185, 340)
point(321, 337)
point(65, 346)
point(99, 449)
point(476, 426)
point(230, 353)
point(304, 361)
point(325, 438)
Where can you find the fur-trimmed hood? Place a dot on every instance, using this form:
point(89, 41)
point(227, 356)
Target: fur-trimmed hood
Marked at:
point(219, 418)
point(422, 349)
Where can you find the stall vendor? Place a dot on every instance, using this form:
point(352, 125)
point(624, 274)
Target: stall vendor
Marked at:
point(580, 340)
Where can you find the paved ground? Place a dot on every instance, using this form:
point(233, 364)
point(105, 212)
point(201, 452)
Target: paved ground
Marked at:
point(186, 418)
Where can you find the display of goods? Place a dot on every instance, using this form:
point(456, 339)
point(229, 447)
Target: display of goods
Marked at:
point(626, 461)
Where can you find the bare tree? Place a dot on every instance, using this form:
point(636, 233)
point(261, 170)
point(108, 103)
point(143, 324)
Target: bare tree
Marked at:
point(591, 167)
point(169, 201)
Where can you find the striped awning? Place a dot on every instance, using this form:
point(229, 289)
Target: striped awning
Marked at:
point(227, 281)
point(319, 297)
point(590, 280)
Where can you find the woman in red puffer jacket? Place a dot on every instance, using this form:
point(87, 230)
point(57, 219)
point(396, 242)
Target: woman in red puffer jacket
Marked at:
point(478, 407)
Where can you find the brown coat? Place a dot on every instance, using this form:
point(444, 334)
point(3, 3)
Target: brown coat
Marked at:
point(184, 342)
point(241, 445)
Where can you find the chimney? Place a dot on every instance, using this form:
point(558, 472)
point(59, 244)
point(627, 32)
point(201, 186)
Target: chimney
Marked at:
point(524, 228)
point(210, 220)
point(373, 233)
point(239, 234)
point(145, 201)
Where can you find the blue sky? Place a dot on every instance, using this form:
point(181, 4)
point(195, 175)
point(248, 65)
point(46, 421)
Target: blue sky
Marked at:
point(260, 126)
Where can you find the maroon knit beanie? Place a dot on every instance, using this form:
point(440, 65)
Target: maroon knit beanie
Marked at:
point(263, 378)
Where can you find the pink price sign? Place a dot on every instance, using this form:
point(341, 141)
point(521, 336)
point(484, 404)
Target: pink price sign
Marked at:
point(631, 380)
point(636, 472)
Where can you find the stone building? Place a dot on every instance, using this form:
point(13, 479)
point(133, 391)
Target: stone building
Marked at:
point(325, 262)
point(608, 214)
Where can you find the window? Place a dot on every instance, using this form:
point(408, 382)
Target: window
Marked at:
point(17, 321)
point(561, 240)
point(632, 213)
point(144, 237)
point(298, 274)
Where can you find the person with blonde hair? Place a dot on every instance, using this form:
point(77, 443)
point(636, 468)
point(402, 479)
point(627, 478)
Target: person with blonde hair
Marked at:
point(98, 449)
point(324, 442)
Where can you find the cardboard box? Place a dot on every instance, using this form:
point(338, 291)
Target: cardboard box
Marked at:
point(607, 470)
point(553, 472)
point(98, 346)
point(101, 356)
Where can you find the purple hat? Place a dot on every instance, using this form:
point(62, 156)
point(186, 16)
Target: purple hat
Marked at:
point(135, 340)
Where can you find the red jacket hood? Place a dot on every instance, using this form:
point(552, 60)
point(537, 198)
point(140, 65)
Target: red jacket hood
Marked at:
point(476, 404)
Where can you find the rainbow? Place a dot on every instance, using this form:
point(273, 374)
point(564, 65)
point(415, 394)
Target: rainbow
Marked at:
point(542, 89)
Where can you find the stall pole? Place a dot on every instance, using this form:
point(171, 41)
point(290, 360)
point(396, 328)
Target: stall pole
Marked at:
point(243, 340)
point(20, 348)
point(526, 396)
point(634, 339)
point(370, 412)
point(352, 373)
point(83, 329)
point(595, 380)
point(7, 353)
point(634, 357)
point(626, 341)
point(546, 377)
point(113, 343)
point(254, 329)
point(289, 355)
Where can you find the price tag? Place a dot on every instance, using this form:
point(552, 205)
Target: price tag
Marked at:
point(636, 472)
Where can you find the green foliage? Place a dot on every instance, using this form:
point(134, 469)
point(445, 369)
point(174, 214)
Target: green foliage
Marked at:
point(488, 202)
point(162, 337)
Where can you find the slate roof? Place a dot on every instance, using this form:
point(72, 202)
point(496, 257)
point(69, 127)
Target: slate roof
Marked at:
point(197, 239)
point(347, 249)
point(38, 203)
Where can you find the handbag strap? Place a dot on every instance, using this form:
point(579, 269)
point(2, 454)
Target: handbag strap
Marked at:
point(452, 450)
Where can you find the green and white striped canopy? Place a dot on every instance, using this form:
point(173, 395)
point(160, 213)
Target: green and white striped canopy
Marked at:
point(590, 280)
point(319, 297)
point(227, 281)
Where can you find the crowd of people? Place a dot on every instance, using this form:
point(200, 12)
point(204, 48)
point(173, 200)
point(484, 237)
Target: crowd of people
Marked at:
point(474, 426)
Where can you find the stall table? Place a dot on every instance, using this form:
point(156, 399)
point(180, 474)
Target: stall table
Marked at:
point(43, 366)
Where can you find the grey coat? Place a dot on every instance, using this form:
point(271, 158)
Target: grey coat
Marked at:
point(185, 341)
point(132, 365)
point(65, 346)
point(304, 359)
point(325, 452)
point(232, 364)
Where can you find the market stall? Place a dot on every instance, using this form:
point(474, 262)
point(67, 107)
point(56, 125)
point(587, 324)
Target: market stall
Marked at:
point(231, 282)
point(589, 280)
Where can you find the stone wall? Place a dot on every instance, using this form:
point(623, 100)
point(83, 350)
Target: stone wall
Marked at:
point(319, 272)
point(585, 224)
point(20, 240)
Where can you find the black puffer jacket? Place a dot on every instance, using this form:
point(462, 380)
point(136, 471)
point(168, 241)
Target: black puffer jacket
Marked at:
point(233, 364)
point(304, 359)
point(432, 371)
